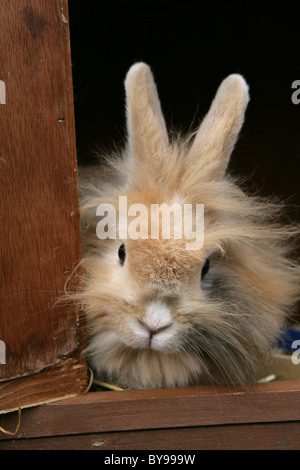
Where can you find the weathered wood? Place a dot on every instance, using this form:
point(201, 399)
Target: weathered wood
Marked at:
point(268, 436)
point(66, 379)
point(159, 408)
point(40, 241)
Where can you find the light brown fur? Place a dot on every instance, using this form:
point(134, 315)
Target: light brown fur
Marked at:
point(223, 327)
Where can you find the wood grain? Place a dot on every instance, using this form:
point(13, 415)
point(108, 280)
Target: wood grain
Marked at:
point(66, 379)
point(40, 241)
point(159, 408)
point(267, 436)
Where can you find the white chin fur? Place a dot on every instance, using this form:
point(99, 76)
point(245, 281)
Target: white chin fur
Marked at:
point(139, 368)
point(133, 364)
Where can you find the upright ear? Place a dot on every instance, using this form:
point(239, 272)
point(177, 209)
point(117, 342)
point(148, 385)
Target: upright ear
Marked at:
point(210, 152)
point(147, 133)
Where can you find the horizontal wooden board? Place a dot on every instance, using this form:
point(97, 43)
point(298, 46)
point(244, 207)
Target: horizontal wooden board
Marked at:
point(266, 436)
point(159, 408)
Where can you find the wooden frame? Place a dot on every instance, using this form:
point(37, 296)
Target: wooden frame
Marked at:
point(40, 235)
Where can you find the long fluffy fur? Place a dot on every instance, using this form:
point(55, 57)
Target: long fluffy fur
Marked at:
point(224, 326)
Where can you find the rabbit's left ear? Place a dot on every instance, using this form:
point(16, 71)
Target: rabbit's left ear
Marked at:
point(210, 152)
point(147, 133)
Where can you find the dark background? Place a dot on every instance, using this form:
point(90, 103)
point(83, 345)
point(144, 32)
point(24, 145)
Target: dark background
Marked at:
point(191, 47)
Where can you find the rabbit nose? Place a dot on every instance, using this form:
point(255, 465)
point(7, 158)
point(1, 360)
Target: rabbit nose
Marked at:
point(153, 330)
point(157, 317)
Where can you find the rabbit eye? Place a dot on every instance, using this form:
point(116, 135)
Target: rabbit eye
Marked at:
point(122, 253)
point(205, 269)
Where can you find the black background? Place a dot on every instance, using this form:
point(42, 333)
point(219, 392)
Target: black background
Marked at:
point(191, 47)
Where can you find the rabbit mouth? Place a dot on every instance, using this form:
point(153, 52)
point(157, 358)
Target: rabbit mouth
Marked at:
point(143, 336)
point(155, 336)
point(155, 329)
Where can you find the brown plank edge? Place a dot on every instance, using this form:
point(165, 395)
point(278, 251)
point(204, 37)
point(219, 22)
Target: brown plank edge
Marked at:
point(97, 412)
point(65, 379)
point(270, 436)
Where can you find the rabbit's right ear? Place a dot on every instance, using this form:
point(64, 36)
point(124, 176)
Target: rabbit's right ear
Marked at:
point(210, 152)
point(147, 133)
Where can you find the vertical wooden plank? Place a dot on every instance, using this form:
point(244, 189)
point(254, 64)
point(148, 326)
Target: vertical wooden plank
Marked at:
point(40, 238)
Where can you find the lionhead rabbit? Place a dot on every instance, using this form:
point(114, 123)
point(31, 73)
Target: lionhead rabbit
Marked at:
point(159, 314)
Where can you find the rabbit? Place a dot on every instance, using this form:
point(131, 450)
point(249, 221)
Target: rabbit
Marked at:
point(159, 314)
